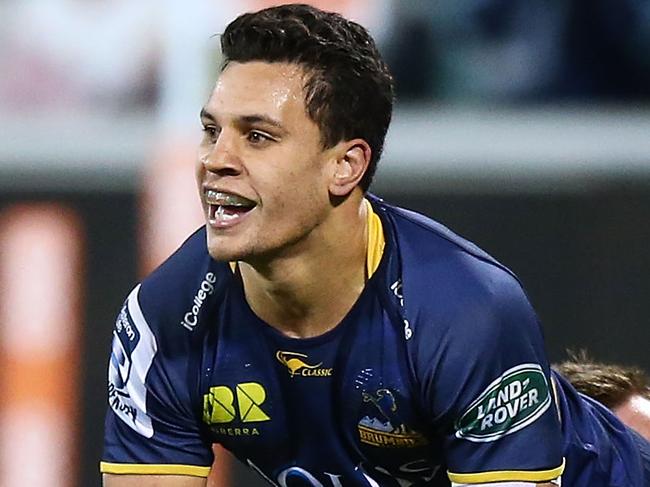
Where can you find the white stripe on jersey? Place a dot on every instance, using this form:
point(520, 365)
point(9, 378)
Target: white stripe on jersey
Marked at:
point(128, 399)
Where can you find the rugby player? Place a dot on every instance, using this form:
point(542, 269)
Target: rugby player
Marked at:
point(323, 336)
point(623, 389)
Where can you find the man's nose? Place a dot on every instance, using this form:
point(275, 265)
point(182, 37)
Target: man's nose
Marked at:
point(223, 157)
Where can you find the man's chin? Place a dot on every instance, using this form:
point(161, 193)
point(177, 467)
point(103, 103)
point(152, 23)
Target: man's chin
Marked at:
point(224, 251)
point(224, 255)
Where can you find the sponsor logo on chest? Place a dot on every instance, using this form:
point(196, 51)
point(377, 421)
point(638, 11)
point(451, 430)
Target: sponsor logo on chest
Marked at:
point(383, 427)
point(206, 288)
point(225, 408)
point(294, 362)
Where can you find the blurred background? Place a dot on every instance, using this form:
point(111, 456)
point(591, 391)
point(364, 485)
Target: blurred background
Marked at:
point(524, 125)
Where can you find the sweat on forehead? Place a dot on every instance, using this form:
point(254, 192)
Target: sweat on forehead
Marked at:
point(258, 89)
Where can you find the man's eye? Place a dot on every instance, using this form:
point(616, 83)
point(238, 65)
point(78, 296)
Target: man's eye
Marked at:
point(210, 131)
point(257, 137)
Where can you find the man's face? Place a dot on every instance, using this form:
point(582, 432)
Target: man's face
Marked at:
point(635, 413)
point(262, 172)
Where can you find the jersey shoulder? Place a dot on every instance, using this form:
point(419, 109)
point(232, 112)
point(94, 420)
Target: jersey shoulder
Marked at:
point(453, 292)
point(156, 334)
point(177, 293)
point(442, 270)
point(164, 318)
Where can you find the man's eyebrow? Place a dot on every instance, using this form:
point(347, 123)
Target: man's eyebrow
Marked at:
point(206, 115)
point(251, 119)
point(246, 119)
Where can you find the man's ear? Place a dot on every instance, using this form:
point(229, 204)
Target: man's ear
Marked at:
point(352, 160)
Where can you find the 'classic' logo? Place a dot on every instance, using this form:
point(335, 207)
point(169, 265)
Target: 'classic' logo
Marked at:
point(293, 361)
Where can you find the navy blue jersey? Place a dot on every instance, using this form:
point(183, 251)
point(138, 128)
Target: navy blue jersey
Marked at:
point(436, 375)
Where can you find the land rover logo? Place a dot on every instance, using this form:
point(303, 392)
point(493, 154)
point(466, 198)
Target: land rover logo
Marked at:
point(513, 401)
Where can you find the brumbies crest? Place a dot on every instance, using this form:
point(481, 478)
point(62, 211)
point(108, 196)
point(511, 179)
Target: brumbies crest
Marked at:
point(386, 429)
point(511, 402)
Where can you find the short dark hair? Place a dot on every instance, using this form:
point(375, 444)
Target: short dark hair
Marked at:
point(610, 384)
point(348, 88)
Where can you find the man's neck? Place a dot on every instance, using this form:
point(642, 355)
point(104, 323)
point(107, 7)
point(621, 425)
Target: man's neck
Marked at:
point(308, 291)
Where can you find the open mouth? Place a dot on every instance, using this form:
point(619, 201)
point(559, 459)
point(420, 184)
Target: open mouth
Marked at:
point(225, 209)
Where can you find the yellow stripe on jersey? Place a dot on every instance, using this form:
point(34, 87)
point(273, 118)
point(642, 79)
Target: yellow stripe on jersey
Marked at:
point(153, 469)
point(375, 239)
point(507, 475)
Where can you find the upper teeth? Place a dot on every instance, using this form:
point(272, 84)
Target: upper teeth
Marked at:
point(225, 199)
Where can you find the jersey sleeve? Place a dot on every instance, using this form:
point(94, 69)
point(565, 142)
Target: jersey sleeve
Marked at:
point(151, 425)
point(488, 387)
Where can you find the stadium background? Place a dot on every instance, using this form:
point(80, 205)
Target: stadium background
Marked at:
point(522, 125)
